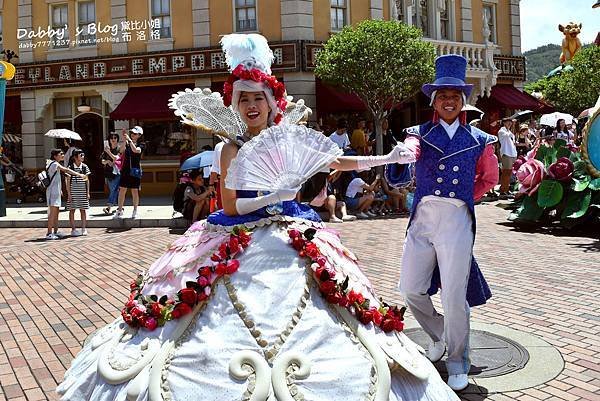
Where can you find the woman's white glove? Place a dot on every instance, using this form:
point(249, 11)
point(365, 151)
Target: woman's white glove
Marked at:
point(400, 154)
point(249, 205)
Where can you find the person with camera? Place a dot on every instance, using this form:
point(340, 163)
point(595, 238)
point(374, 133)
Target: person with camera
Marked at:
point(131, 170)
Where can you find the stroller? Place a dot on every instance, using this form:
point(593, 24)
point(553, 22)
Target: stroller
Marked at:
point(25, 184)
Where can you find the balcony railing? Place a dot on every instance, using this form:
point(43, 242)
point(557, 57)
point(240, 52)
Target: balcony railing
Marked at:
point(479, 57)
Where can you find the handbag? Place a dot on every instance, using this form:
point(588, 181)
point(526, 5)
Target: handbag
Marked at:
point(134, 171)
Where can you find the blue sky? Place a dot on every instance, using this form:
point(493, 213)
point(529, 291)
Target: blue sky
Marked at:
point(540, 19)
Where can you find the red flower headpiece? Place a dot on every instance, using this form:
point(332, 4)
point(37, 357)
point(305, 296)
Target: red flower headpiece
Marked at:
point(256, 75)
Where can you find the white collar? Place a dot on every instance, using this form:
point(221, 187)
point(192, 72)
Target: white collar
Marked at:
point(450, 128)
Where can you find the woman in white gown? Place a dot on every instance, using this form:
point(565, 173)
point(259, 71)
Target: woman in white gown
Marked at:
point(256, 302)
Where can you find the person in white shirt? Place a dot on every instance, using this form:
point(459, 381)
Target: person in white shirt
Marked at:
point(359, 201)
point(508, 151)
point(340, 136)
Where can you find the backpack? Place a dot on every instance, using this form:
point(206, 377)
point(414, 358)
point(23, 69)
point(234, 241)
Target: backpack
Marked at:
point(43, 180)
point(178, 193)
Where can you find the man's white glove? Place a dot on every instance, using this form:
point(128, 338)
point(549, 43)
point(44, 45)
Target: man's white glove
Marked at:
point(400, 154)
point(249, 205)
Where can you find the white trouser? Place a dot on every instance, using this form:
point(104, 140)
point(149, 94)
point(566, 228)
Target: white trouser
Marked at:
point(440, 231)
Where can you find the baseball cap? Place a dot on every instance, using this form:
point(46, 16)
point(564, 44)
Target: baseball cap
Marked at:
point(138, 130)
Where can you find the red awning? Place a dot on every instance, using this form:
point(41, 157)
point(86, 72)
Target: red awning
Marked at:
point(332, 100)
point(147, 102)
point(512, 98)
point(12, 110)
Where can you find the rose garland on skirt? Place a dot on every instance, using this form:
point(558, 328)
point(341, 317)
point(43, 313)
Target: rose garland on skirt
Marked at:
point(152, 311)
point(386, 317)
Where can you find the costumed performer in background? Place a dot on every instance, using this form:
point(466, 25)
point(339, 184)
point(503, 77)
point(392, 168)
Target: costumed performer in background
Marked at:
point(455, 165)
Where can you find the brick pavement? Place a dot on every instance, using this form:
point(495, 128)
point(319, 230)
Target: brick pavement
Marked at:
point(544, 284)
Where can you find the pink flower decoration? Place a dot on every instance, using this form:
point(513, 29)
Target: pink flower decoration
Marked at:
point(530, 176)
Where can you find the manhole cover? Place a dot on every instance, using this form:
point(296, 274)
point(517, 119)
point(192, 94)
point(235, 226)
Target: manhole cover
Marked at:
point(491, 355)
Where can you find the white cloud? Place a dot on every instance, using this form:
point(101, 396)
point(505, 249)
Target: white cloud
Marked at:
point(540, 20)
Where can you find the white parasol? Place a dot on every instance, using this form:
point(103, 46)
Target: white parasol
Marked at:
point(551, 119)
point(63, 133)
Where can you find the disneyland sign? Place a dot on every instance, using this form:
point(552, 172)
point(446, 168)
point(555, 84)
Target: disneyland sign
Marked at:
point(140, 67)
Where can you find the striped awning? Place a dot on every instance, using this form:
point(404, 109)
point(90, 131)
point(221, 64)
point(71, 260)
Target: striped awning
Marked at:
point(11, 138)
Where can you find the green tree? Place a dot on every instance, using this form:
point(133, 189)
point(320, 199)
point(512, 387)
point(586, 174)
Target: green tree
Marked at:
point(383, 62)
point(575, 90)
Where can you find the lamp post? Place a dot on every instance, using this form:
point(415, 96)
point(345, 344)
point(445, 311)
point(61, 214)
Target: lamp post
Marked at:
point(7, 72)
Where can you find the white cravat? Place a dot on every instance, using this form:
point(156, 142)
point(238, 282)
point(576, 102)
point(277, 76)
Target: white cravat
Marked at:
point(450, 128)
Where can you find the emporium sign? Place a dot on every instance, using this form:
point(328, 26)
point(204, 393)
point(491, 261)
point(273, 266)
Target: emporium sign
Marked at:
point(140, 67)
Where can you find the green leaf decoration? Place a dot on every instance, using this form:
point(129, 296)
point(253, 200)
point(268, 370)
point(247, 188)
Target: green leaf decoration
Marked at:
point(550, 193)
point(541, 153)
point(163, 300)
point(559, 143)
point(550, 157)
point(575, 157)
point(595, 185)
point(528, 211)
point(580, 168)
point(580, 184)
point(154, 298)
point(563, 152)
point(577, 204)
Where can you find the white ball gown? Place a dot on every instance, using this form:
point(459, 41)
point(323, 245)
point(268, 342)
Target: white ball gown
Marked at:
point(233, 316)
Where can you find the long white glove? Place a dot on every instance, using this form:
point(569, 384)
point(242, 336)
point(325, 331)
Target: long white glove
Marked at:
point(400, 154)
point(248, 205)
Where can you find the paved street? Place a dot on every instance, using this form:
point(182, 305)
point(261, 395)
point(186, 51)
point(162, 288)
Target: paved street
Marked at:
point(53, 294)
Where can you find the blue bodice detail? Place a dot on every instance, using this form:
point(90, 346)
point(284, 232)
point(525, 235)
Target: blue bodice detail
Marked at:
point(290, 209)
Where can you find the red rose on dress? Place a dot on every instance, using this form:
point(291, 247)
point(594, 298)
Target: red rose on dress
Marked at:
point(133, 285)
point(277, 118)
point(562, 170)
point(215, 258)
point(232, 266)
point(355, 297)
point(321, 261)
point(398, 325)
point(388, 325)
point(298, 243)
point(311, 250)
point(181, 309)
point(223, 250)
point(221, 269)
point(155, 309)
point(205, 271)
point(234, 244)
point(365, 316)
point(150, 323)
point(188, 295)
point(377, 316)
point(334, 298)
point(327, 287)
point(293, 233)
point(244, 238)
point(203, 281)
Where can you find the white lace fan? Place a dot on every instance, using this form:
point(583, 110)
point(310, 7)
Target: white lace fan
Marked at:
point(204, 109)
point(280, 157)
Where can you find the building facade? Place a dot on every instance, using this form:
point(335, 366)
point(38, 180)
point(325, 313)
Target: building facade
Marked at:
point(105, 65)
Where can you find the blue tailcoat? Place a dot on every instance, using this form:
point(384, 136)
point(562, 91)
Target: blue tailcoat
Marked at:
point(446, 168)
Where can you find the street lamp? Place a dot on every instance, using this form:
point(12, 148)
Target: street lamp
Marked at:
point(83, 107)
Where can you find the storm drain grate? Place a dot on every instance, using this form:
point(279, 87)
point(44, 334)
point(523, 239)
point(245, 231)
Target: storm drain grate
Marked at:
point(491, 355)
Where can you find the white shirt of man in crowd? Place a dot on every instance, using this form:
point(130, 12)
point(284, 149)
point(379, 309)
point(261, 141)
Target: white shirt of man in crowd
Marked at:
point(355, 187)
point(340, 137)
point(507, 142)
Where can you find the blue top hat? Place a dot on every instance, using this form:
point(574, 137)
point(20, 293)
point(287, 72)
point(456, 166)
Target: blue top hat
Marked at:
point(450, 73)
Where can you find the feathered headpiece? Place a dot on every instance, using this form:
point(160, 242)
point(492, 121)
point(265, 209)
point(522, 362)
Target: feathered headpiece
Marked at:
point(249, 59)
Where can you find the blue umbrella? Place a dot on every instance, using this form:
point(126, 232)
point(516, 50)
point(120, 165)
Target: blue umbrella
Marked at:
point(203, 159)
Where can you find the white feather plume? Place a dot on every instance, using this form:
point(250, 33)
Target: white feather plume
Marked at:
point(241, 48)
